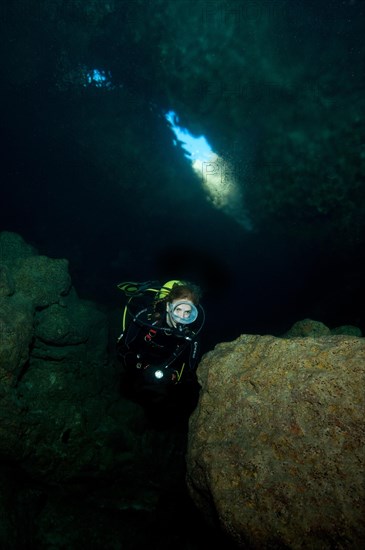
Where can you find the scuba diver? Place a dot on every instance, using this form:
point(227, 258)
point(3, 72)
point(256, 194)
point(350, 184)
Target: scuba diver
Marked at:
point(160, 343)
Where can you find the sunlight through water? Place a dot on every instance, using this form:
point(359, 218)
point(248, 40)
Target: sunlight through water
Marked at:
point(216, 174)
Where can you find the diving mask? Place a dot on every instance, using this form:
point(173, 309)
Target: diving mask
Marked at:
point(183, 312)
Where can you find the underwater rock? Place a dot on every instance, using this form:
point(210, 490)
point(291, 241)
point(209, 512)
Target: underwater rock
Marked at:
point(347, 329)
point(307, 327)
point(13, 246)
point(16, 334)
point(6, 282)
point(276, 444)
point(55, 381)
point(44, 280)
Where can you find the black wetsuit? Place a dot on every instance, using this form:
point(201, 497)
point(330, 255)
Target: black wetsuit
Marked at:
point(156, 356)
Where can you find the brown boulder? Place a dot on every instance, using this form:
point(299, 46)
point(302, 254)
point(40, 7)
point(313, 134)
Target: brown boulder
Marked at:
point(276, 444)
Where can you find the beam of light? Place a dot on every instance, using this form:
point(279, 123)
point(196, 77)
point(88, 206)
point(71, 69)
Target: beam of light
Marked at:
point(194, 147)
point(217, 176)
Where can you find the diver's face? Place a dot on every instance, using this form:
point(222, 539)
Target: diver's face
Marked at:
point(181, 311)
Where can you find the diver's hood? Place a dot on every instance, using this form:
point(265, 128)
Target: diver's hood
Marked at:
point(183, 316)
